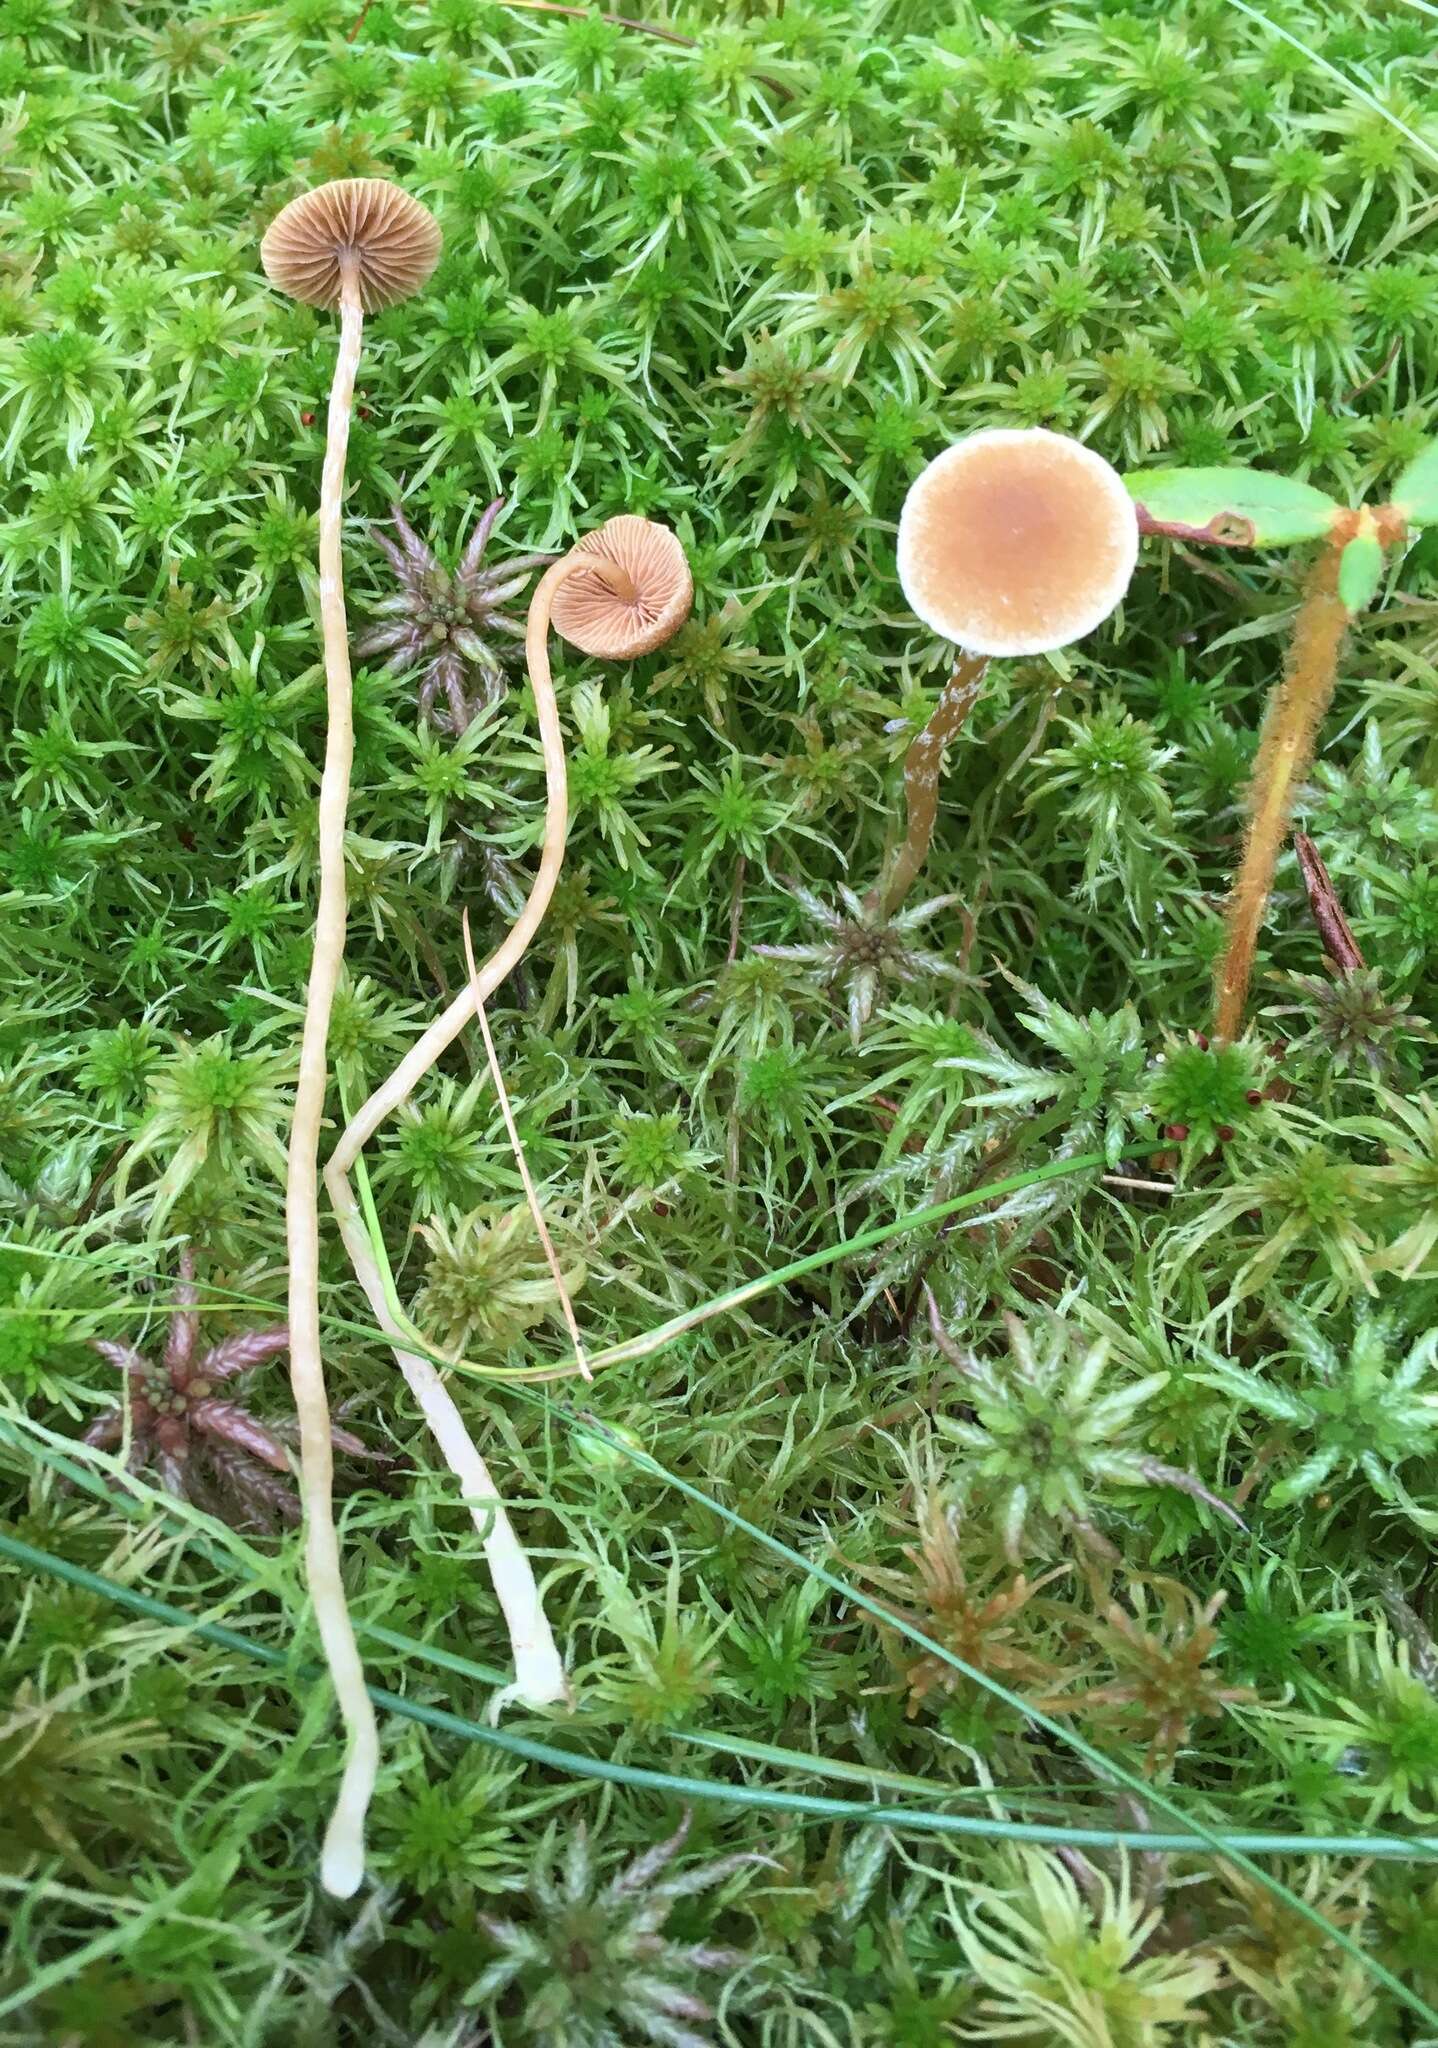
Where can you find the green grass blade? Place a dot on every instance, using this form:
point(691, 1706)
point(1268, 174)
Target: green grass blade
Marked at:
point(577, 1763)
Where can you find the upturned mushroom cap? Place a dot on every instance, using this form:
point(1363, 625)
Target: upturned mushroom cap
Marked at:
point(393, 239)
point(1016, 541)
point(636, 596)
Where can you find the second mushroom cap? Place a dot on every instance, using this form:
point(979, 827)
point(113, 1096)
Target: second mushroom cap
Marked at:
point(635, 597)
point(1016, 541)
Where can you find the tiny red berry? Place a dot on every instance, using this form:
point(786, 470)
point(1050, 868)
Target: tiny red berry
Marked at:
point(1254, 1097)
point(1178, 1132)
point(307, 419)
point(1225, 1134)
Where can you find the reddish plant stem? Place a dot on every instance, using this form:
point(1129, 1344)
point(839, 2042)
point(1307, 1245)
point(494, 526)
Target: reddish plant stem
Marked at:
point(1285, 751)
point(923, 766)
point(736, 911)
point(1382, 371)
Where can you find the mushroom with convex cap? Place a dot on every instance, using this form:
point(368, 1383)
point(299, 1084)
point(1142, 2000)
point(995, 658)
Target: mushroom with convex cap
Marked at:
point(357, 244)
point(360, 231)
point(626, 591)
point(1014, 541)
point(617, 594)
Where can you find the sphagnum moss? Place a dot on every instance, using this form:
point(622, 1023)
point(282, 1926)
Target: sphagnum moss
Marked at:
point(744, 289)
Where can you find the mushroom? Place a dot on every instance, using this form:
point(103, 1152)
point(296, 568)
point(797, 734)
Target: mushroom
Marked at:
point(1014, 541)
point(357, 239)
point(618, 593)
point(624, 591)
point(357, 244)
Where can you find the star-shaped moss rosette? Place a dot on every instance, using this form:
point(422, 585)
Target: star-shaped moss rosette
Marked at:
point(186, 1425)
point(1250, 508)
point(450, 626)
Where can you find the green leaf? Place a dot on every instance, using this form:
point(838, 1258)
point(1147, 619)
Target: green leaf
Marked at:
point(1360, 570)
point(1416, 491)
point(1238, 508)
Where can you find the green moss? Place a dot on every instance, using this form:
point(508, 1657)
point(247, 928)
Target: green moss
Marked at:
point(750, 287)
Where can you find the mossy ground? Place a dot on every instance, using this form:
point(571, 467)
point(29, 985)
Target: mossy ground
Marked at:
point(746, 287)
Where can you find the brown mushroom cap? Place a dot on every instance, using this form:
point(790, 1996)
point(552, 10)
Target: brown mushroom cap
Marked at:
point(635, 598)
point(1016, 541)
point(393, 239)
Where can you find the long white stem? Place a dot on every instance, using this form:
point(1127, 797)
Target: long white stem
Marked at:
point(342, 1863)
point(538, 1672)
point(539, 1678)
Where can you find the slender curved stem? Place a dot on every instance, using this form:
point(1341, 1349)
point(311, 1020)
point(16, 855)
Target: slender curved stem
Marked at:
point(516, 1146)
point(538, 1671)
point(422, 1055)
point(342, 1863)
point(539, 1678)
point(1285, 751)
point(922, 767)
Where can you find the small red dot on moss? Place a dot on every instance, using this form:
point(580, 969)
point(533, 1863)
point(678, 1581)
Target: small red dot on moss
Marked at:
point(1225, 1134)
point(307, 419)
point(1253, 1097)
point(1178, 1132)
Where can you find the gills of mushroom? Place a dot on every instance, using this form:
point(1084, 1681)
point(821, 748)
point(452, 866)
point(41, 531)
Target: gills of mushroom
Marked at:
point(618, 594)
point(358, 244)
point(1015, 541)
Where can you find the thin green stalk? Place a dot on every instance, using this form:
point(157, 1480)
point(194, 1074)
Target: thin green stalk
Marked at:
point(674, 1785)
point(1349, 85)
point(653, 1340)
point(73, 1964)
point(1202, 1835)
point(198, 1541)
point(813, 1262)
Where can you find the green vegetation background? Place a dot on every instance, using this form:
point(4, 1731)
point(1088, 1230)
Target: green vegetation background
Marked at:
point(747, 286)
